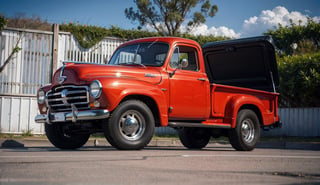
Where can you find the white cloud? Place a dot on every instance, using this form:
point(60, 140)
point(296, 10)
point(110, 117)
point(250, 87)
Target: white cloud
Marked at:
point(220, 31)
point(255, 25)
point(270, 19)
point(205, 30)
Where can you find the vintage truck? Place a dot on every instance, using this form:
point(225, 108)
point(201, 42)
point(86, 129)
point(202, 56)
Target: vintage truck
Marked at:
point(225, 88)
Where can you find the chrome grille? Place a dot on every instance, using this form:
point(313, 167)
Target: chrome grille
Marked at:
point(61, 98)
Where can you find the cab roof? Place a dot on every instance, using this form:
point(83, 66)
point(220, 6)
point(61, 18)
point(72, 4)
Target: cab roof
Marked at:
point(169, 40)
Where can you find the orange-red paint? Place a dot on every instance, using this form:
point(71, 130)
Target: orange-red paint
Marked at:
point(187, 95)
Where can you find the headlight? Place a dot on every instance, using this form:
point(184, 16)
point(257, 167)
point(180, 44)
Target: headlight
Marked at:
point(41, 96)
point(95, 89)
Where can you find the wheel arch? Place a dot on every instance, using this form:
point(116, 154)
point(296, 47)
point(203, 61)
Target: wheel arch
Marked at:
point(150, 102)
point(238, 103)
point(255, 109)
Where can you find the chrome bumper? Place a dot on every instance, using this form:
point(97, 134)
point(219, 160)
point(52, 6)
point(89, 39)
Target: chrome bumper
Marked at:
point(73, 116)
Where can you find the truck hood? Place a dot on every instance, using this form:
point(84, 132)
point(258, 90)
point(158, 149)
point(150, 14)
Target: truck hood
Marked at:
point(79, 73)
point(248, 62)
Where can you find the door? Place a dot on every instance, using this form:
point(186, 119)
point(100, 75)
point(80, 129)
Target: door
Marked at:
point(189, 86)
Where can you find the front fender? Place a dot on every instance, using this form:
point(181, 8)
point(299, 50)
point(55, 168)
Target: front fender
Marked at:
point(235, 103)
point(116, 89)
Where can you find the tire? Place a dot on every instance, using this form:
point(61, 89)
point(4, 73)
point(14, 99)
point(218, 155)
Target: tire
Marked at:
point(247, 132)
point(194, 138)
point(131, 126)
point(58, 137)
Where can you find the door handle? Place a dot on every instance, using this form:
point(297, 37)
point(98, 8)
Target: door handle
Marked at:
point(201, 79)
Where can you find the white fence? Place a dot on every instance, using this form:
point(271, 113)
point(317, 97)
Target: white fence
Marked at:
point(70, 50)
point(30, 67)
point(17, 115)
point(298, 122)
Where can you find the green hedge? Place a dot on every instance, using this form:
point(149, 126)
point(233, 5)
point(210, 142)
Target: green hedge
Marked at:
point(300, 79)
point(88, 36)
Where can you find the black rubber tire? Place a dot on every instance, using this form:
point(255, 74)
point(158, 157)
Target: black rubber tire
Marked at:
point(194, 138)
point(131, 126)
point(56, 135)
point(247, 132)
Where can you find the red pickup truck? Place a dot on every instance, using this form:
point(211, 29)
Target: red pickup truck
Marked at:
point(225, 88)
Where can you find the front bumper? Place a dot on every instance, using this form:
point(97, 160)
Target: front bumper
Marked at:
point(73, 116)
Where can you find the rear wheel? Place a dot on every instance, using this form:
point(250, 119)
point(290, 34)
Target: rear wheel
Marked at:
point(131, 126)
point(57, 135)
point(194, 138)
point(247, 132)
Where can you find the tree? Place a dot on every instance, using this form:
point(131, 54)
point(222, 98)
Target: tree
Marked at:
point(167, 16)
point(297, 39)
point(300, 80)
point(16, 49)
point(3, 22)
point(20, 20)
point(299, 67)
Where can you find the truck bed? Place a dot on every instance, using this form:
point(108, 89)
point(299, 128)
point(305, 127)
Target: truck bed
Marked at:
point(224, 98)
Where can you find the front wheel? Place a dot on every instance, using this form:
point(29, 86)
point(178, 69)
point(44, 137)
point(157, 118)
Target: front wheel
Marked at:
point(57, 135)
point(131, 126)
point(194, 138)
point(247, 132)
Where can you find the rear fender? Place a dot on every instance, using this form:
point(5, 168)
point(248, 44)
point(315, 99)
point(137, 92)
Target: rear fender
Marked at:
point(234, 105)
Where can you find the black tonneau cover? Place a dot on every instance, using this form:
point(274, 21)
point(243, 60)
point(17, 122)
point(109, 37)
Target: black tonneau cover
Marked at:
point(248, 62)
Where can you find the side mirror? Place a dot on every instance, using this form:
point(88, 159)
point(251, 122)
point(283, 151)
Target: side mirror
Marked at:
point(183, 63)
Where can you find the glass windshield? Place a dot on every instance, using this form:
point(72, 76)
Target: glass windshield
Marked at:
point(146, 54)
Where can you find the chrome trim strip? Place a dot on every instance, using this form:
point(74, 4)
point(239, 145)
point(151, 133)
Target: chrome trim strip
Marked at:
point(69, 98)
point(198, 125)
point(73, 116)
point(62, 78)
point(71, 86)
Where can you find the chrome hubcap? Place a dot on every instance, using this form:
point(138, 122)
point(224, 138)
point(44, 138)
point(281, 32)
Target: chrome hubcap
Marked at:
point(132, 125)
point(247, 131)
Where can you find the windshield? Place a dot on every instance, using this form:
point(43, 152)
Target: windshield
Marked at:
point(145, 54)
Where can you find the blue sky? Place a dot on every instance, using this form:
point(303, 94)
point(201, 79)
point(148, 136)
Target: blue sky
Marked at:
point(235, 18)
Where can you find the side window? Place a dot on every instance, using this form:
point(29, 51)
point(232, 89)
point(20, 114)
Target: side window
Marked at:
point(185, 53)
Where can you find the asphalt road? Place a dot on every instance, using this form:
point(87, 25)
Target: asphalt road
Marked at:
point(216, 164)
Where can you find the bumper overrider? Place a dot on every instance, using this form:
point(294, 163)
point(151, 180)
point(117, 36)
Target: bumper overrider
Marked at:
point(73, 116)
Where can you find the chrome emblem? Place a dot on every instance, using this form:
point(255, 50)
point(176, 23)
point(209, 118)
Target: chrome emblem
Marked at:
point(61, 79)
point(150, 75)
point(64, 96)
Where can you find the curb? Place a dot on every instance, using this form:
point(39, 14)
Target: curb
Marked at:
point(158, 142)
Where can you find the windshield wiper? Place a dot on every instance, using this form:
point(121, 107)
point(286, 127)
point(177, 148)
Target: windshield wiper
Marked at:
point(139, 64)
point(133, 63)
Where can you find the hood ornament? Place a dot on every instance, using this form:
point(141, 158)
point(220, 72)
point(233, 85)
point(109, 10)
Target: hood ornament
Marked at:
point(62, 78)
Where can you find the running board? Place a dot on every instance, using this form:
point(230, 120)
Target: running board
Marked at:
point(197, 125)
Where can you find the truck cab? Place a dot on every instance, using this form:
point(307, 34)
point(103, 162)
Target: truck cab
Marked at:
point(225, 88)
